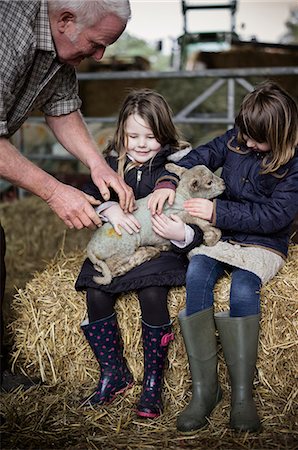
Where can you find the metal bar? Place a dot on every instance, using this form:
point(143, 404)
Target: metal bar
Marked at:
point(233, 16)
point(231, 101)
point(208, 73)
point(51, 156)
point(210, 120)
point(200, 99)
point(177, 119)
point(231, 76)
point(245, 84)
point(221, 6)
point(38, 119)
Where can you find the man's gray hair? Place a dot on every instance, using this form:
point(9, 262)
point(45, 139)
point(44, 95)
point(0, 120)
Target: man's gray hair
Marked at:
point(90, 11)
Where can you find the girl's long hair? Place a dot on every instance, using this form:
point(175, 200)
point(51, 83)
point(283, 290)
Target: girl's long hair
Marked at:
point(269, 114)
point(155, 111)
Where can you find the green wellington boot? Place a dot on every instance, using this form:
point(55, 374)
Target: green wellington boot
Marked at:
point(198, 331)
point(239, 338)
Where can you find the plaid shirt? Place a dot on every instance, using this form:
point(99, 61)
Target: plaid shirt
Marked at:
point(31, 76)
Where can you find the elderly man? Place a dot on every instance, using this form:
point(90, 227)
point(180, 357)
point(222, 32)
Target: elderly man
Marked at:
point(41, 44)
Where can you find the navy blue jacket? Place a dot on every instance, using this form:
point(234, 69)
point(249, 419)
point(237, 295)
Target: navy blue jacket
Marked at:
point(142, 179)
point(255, 209)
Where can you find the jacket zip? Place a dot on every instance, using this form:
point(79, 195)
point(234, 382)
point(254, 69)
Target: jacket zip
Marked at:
point(139, 177)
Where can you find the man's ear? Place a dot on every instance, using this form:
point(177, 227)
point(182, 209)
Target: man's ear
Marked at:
point(65, 19)
point(175, 169)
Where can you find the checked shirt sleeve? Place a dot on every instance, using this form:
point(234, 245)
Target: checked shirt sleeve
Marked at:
point(65, 99)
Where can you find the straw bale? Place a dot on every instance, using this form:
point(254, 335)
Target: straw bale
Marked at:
point(48, 341)
point(34, 234)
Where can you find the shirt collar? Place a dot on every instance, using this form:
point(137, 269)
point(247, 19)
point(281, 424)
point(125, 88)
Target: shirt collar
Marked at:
point(43, 31)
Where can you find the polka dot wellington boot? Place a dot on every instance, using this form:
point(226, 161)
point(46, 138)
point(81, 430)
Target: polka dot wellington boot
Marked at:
point(105, 341)
point(155, 344)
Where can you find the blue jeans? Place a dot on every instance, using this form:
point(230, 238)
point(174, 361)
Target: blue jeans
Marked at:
point(202, 275)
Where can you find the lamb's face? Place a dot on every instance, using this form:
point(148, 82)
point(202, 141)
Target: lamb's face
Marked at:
point(200, 182)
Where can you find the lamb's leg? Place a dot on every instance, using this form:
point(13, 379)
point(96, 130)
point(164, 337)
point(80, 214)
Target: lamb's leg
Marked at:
point(165, 247)
point(119, 266)
point(211, 234)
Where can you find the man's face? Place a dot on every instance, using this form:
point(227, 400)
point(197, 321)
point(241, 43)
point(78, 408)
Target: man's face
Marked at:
point(73, 46)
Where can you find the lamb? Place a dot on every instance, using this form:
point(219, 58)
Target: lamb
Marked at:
point(115, 255)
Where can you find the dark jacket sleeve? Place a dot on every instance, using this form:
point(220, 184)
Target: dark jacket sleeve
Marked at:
point(267, 216)
point(166, 179)
point(197, 240)
point(212, 154)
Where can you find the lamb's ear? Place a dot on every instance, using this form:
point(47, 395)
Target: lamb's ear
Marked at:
point(175, 169)
point(195, 185)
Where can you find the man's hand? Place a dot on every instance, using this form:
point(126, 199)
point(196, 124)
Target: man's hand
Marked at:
point(104, 177)
point(158, 198)
point(74, 207)
point(171, 228)
point(199, 207)
point(119, 219)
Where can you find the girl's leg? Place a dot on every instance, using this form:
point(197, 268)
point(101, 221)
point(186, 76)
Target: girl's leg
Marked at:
point(156, 332)
point(245, 293)
point(99, 304)
point(239, 334)
point(202, 274)
point(103, 335)
point(198, 330)
point(154, 305)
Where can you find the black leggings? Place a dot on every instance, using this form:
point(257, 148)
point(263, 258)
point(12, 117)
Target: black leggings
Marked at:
point(153, 303)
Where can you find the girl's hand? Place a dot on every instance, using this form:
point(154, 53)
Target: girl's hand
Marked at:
point(199, 207)
point(158, 198)
point(118, 218)
point(171, 228)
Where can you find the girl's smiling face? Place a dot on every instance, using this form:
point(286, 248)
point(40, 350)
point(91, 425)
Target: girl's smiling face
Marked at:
point(256, 146)
point(141, 142)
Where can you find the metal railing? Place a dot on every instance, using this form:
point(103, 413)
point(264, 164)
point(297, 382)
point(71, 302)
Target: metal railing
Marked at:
point(230, 77)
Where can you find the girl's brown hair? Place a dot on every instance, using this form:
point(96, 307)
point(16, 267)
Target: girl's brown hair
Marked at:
point(269, 114)
point(155, 111)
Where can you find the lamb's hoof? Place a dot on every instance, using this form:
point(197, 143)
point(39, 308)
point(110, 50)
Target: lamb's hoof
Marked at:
point(102, 281)
point(211, 237)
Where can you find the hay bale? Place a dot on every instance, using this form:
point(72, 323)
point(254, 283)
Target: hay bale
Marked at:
point(48, 341)
point(34, 234)
point(47, 336)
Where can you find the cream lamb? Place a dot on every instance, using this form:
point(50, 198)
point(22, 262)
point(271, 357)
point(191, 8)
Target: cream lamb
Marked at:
point(114, 255)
